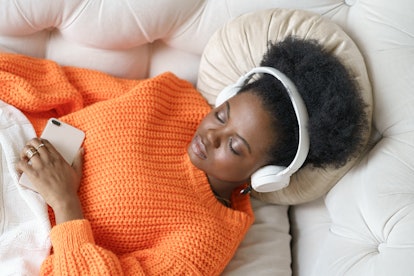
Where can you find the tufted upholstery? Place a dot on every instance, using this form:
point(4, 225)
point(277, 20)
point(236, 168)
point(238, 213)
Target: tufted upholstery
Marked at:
point(364, 225)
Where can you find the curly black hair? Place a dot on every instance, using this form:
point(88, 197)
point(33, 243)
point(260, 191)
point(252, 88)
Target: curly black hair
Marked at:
point(337, 116)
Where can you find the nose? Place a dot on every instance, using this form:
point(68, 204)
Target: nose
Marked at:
point(214, 137)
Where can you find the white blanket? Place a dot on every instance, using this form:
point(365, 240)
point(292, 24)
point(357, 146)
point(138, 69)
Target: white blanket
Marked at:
point(24, 221)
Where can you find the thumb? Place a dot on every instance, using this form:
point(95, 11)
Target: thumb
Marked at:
point(78, 162)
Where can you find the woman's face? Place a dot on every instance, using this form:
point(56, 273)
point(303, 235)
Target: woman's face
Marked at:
point(232, 141)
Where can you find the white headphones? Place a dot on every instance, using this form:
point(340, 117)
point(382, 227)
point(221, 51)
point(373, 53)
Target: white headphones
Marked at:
point(272, 178)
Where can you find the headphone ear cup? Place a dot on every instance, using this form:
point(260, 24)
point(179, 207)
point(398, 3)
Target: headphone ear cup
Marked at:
point(227, 93)
point(270, 179)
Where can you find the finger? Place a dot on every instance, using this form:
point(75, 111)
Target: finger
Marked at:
point(24, 150)
point(34, 142)
point(50, 147)
point(32, 145)
point(38, 144)
point(23, 167)
point(28, 152)
point(17, 167)
point(78, 162)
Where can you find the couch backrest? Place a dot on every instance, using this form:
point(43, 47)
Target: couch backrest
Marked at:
point(372, 207)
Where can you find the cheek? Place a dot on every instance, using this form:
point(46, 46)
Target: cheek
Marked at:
point(230, 168)
point(207, 122)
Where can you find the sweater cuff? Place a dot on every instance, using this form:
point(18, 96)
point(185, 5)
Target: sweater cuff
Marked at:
point(70, 235)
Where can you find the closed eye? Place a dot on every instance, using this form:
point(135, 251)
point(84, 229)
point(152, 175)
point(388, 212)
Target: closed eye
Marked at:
point(231, 147)
point(219, 117)
point(222, 114)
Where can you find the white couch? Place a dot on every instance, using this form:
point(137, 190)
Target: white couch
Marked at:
point(365, 224)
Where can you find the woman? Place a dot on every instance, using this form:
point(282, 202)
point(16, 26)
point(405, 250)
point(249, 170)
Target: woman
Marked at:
point(152, 197)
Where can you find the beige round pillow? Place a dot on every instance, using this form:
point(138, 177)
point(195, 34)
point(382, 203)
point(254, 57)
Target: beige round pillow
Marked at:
point(239, 46)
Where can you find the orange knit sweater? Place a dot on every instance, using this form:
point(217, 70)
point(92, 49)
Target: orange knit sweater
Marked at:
point(148, 210)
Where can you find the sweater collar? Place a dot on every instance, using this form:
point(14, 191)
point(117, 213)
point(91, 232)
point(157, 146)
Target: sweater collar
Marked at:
point(241, 205)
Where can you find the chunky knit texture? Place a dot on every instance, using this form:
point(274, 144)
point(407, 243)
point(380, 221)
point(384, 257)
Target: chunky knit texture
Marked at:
point(147, 209)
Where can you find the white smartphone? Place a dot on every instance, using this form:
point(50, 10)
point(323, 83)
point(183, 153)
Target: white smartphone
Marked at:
point(66, 139)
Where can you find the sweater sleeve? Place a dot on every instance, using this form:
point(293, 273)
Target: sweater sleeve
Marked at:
point(38, 85)
point(76, 253)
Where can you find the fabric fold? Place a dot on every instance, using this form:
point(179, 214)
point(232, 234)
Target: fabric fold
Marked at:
point(24, 220)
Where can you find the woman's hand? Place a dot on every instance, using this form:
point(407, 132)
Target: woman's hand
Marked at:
point(54, 179)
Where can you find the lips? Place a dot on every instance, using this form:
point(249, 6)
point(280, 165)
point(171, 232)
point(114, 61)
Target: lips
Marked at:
point(198, 147)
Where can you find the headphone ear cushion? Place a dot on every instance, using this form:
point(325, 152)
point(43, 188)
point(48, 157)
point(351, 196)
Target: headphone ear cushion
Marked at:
point(226, 94)
point(270, 179)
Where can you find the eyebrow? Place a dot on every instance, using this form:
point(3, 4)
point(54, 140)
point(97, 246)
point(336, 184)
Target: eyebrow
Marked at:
point(241, 138)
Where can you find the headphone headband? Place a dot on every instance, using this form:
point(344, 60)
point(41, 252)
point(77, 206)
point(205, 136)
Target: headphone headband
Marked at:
point(300, 111)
